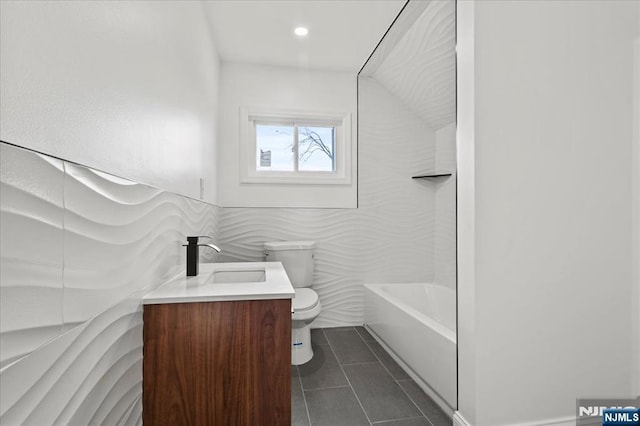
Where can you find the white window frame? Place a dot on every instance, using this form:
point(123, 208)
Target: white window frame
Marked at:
point(342, 149)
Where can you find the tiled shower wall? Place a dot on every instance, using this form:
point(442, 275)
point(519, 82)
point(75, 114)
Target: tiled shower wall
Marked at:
point(420, 70)
point(79, 249)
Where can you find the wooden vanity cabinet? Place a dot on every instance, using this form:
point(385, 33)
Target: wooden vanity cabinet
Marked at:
point(217, 363)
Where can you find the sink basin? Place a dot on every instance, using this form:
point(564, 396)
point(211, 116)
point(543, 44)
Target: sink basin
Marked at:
point(241, 276)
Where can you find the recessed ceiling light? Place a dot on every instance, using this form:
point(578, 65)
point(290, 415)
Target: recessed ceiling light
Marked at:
point(301, 31)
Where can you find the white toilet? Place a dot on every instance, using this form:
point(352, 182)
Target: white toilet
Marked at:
point(297, 259)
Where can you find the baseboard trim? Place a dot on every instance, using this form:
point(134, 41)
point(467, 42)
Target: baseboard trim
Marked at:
point(459, 420)
point(558, 421)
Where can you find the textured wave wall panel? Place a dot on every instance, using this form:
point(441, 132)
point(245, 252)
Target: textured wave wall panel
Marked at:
point(420, 72)
point(244, 230)
point(96, 245)
point(420, 69)
point(397, 213)
point(69, 380)
point(31, 223)
point(389, 238)
point(120, 237)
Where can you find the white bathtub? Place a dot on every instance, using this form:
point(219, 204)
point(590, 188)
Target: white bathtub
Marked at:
point(417, 323)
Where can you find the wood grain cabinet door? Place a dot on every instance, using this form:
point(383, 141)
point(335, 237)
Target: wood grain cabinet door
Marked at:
point(217, 363)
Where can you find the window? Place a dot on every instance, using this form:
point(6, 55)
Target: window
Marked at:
point(295, 148)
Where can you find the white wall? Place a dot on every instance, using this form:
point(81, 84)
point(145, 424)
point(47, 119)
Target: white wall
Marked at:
point(283, 89)
point(125, 87)
point(445, 212)
point(466, 214)
point(545, 116)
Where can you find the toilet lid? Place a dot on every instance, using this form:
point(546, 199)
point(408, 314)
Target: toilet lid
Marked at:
point(304, 299)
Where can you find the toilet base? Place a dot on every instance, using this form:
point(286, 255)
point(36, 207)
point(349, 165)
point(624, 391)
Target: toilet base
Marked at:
point(301, 350)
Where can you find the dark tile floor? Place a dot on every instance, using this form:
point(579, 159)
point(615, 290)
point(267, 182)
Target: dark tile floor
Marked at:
point(353, 381)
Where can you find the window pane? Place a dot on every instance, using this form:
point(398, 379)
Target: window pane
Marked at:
point(274, 147)
point(316, 149)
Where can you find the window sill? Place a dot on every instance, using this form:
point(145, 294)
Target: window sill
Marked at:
point(298, 179)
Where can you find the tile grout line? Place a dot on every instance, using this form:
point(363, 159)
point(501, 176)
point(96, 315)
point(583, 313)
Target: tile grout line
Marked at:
point(346, 377)
point(391, 375)
point(414, 403)
point(398, 382)
point(304, 398)
point(360, 334)
point(379, 360)
point(394, 420)
point(362, 363)
point(381, 363)
point(325, 388)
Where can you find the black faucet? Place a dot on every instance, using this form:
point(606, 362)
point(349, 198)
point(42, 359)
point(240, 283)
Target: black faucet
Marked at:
point(193, 255)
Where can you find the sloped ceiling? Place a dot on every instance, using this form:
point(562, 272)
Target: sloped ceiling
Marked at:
point(420, 69)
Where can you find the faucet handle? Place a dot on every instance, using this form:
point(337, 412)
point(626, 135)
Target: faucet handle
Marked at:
point(194, 239)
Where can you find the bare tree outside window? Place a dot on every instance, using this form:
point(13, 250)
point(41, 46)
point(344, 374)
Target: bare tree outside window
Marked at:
point(312, 142)
point(316, 148)
point(295, 148)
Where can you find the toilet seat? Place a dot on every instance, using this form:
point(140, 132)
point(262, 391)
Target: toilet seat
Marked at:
point(305, 299)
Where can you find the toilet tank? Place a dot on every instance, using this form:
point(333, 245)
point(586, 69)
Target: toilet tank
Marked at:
point(296, 257)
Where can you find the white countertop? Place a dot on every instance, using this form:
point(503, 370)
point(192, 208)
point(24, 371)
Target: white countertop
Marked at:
point(276, 285)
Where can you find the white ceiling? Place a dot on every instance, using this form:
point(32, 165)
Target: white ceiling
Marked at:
point(342, 33)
